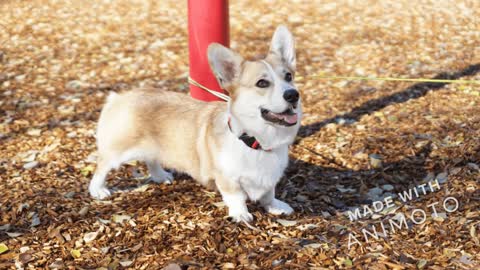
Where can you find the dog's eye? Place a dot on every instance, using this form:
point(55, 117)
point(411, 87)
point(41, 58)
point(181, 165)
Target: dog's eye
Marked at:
point(263, 83)
point(288, 77)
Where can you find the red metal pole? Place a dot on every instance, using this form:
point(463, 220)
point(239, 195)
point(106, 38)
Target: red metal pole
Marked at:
point(207, 23)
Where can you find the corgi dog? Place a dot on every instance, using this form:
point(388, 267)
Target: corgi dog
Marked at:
point(240, 146)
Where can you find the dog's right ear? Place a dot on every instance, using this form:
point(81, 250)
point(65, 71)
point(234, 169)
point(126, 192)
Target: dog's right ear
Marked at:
point(225, 64)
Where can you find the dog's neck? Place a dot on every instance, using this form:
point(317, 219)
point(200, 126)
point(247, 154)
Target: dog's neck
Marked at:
point(234, 125)
point(268, 136)
point(248, 140)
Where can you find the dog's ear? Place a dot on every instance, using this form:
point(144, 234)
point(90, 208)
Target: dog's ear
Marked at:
point(283, 45)
point(225, 64)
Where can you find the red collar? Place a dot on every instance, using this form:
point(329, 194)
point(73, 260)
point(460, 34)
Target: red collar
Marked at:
point(249, 141)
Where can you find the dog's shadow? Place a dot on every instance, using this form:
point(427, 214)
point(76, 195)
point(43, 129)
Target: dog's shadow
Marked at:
point(323, 191)
point(318, 190)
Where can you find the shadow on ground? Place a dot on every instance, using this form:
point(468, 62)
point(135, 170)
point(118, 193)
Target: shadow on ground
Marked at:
point(310, 188)
point(413, 92)
point(318, 184)
point(313, 188)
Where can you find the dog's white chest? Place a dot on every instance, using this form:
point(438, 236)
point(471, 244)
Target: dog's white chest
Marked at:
point(257, 171)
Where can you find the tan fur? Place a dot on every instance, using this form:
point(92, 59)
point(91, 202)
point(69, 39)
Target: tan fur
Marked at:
point(160, 123)
point(175, 131)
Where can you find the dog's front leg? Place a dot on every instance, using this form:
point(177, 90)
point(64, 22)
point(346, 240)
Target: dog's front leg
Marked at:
point(275, 206)
point(236, 200)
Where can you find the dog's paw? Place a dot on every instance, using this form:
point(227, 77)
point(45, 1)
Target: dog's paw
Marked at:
point(165, 177)
point(99, 192)
point(278, 207)
point(239, 214)
point(239, 217)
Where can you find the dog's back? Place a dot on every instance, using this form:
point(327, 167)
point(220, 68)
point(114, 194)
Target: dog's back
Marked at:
point(144, 123)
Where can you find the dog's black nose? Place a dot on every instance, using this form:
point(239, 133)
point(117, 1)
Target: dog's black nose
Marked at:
point(291, 95)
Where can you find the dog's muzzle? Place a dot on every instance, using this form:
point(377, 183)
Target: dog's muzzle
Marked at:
point(286, 118)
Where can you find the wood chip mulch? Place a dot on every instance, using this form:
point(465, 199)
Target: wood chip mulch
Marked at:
point(361, 141)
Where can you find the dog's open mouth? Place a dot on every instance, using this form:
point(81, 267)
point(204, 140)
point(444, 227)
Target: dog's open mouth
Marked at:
point(285, 118)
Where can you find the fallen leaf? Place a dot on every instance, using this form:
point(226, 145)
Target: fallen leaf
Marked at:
point(465, 259)
point(142, 188)
point(172, 266)
point(305, 227)
point(89, 237)
point(30, 157)
point(137, 247)
point(374, 193)
point(75, 253)
point(287, 223)
point(14, 234)
point(210, 193)
point(83, 211)
point(126, 263)
point(34, 132)
point(87, 170)
point(342, 189)
point(57, 265)
point(313, 245)
point(228, 266)
point(69, 194)
point(104, 221)
point(375, 161)
point(30, 165)
point(120, 218)
point(113, 265)
point(35, 220)
point(3, 248)
point(473, 166)
point(25, 258)
point(387, 187)
point(421, 263)
point(442, 177)
point(219, 204)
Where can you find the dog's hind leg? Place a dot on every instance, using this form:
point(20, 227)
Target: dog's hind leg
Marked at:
point(97, 187)
point(158, 174)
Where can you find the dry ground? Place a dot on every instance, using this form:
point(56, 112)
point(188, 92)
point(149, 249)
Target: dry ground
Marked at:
point(58, 60)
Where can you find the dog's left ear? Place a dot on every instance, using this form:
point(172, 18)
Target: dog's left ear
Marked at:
point(283, 45)
point(225, 64)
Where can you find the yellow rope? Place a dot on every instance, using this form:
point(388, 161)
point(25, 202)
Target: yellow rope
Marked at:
point(215, 93)
point(350, 78)
point(391, 79)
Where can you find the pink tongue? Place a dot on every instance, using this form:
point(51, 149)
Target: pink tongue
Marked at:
point(291, 119)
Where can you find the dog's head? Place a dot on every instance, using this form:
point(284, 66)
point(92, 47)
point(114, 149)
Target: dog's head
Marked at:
point(263, 94)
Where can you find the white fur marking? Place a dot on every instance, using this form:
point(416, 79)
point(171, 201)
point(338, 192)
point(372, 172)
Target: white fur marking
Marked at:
point(257, 171)
point(277, 207)
point(97, 187)
point(237, 208)
point(158, 174)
